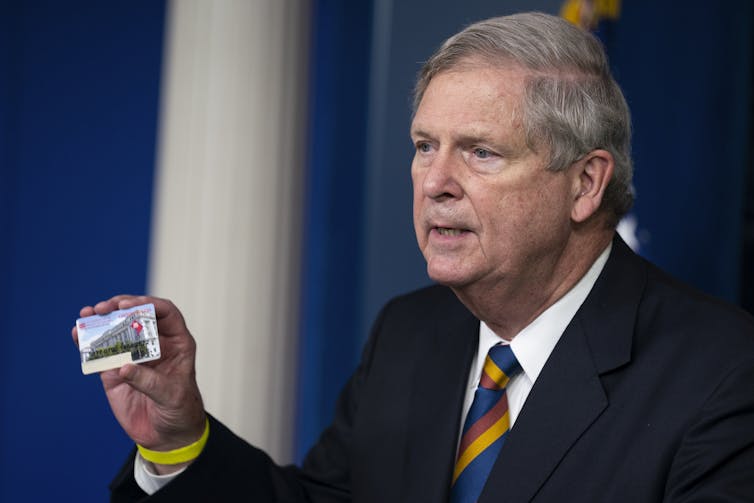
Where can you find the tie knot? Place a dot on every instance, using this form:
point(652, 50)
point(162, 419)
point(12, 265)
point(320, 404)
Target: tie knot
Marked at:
point(499, 367)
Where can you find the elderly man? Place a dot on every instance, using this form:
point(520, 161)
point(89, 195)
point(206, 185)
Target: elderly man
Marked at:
point(552, 364)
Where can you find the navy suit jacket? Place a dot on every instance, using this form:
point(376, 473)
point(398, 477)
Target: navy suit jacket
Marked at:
point(648, 396)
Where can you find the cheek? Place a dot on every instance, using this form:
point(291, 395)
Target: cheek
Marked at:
point(417, 204)
point(516, 216)
point(548, 214)
point(417, 207)
point(418, 227)
point(512, 216)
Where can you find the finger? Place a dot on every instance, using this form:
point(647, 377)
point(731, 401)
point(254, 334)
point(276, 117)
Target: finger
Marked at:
point(169, 317)
point(145, 380)
point(161, 306)
point(86, 311)
point(122, 301)
point(105, 307)
point(165, 310)
point(75, 335)
point(110, 378)
point(127, 301)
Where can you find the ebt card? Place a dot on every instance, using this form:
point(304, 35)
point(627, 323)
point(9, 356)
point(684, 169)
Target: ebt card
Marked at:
point(110, 341)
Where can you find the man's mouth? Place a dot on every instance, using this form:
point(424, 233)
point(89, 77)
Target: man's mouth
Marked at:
point(445, 231)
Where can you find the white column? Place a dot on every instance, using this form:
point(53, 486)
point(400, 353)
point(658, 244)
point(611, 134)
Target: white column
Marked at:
point(226, 225)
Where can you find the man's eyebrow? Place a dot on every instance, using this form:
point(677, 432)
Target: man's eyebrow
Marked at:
point(476, 137)
point(467, 137)
point(419, 132)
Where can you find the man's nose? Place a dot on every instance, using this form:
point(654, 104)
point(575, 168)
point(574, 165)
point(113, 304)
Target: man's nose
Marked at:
point(441, 180)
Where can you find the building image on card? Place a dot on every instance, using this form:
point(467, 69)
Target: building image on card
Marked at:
point(118, 338)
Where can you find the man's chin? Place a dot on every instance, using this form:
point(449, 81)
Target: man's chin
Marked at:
point(452, 279)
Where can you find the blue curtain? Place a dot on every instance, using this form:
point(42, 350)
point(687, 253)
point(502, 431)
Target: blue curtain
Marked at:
point(686, 71)
point(333, 217)
point(79, 84)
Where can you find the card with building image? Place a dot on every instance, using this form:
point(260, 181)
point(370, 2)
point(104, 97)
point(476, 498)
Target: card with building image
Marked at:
point(125, 336)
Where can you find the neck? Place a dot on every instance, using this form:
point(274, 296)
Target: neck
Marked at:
point(508, 307)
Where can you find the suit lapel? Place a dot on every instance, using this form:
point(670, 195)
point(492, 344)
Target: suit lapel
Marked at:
point(437, 394)
point(568, 395)
point(564, 401)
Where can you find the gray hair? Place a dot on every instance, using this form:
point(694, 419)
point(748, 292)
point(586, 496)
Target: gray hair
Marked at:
point(572, 105)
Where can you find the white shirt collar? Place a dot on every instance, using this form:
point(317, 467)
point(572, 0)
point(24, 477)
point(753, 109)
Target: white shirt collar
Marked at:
point(533, 345)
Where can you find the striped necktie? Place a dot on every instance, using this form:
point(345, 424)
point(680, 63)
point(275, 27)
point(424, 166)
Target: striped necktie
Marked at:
point(486, 426)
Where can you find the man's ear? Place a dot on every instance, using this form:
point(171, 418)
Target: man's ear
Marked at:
point(591, 176)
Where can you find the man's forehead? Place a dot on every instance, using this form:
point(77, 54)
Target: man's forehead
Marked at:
point(498, 69)
point(480, 99)
point(479, 82)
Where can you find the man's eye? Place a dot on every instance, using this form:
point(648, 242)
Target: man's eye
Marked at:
point(482, 153)
point(423, 147)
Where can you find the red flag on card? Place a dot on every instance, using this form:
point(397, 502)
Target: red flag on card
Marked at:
point(136, 326)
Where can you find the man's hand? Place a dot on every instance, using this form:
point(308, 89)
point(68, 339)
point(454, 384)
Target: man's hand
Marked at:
point(157, 403)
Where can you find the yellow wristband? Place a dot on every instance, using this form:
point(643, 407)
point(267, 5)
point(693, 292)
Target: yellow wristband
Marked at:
point(177, 456)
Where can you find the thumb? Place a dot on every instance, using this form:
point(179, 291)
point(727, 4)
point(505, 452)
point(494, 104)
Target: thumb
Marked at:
point(143, 379)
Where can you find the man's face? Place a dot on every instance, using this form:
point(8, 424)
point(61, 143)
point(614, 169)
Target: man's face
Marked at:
point(486, 211)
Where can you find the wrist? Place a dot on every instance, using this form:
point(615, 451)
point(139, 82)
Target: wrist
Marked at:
point(175, 458)
point(175, 431)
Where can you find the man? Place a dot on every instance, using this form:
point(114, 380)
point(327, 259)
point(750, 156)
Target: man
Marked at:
point(623, 386)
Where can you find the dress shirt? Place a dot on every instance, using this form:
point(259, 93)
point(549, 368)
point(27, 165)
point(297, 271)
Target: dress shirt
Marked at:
point(533, 344)
point(150, 482)
point(532, 347)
